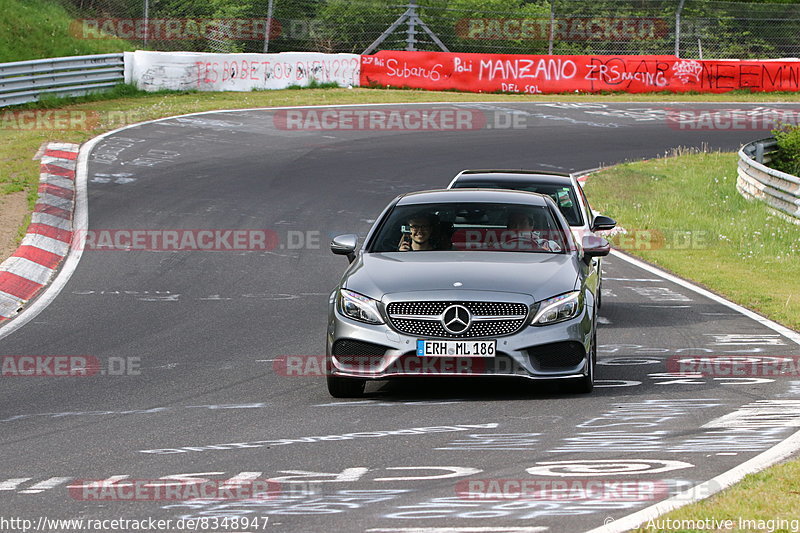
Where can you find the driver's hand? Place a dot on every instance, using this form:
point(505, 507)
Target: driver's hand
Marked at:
point(404, 245)
point(552, 246)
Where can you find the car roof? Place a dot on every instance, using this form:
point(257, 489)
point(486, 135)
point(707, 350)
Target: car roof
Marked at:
point(515, 176)
point(500, 196)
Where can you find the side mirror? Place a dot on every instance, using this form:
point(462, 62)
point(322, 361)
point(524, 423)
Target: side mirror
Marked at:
point(345, 245)
point(594, 246)
point(602, 222)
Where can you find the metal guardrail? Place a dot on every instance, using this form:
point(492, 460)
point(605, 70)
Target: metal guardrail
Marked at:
point(779, 190)
point(26, 81)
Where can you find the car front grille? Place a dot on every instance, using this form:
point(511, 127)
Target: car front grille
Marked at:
point(557, 355)
point(488, 319)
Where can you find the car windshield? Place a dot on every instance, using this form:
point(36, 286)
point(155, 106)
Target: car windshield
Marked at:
point(470, 227)
point(562, 195)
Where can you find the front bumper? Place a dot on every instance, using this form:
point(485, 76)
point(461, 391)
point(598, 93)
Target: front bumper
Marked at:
point(557, 351)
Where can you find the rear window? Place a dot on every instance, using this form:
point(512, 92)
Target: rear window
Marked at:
point(563, 196)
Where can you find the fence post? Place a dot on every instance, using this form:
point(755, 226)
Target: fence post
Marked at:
point(552, 22)
point(146, 22)
point(268, 31)
point(412, 32)
point(411, 18)
point(678, 29)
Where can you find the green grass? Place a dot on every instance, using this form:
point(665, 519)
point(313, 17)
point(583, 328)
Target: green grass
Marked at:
point(773, 494)
point(697, 225)
point(314, 84)
point(36, 29)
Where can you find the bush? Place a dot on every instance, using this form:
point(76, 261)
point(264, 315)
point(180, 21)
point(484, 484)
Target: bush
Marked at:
point(787, 158)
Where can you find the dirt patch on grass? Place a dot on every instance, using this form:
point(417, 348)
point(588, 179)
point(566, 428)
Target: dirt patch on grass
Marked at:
point(13, 209)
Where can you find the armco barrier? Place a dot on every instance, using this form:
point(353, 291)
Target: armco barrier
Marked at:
point(26, 81)
point(778, 190)
point(534, 74)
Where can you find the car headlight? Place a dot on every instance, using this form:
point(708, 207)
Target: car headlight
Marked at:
point(359, 307)
point(558, 309)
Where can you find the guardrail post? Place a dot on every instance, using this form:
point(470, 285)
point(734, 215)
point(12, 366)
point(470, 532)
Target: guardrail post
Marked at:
point(760, 152)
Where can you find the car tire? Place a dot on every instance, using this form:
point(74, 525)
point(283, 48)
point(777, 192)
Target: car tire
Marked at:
point(585, 384)
point(600, 295)
point(346, 387)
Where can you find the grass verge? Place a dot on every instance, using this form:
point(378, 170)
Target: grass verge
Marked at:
point(766, 501)
point(33, 29)
point(683, 213)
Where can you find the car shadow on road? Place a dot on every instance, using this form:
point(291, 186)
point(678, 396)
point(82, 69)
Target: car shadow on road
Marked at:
point(464, 389)
point(638, 315)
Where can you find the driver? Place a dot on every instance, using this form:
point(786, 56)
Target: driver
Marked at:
point(421, 236)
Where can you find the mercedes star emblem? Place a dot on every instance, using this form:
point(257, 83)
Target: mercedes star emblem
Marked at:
point(456, 319)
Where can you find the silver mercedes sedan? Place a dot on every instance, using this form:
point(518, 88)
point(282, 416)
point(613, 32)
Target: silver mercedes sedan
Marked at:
point(465, 282)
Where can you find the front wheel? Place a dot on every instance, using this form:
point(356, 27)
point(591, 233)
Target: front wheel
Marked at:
point(346, 387)
point(599, 295)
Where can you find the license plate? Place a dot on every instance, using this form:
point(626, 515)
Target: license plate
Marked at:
point(456, 348)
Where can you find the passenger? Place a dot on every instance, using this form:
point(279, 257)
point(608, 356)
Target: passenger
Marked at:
point(519, 221)
point(522, 235)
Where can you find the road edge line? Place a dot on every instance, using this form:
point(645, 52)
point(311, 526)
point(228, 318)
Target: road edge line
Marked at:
point(780, 451)
point(783, 330)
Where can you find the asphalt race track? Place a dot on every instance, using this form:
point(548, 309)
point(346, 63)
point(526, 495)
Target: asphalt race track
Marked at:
point(201, 332)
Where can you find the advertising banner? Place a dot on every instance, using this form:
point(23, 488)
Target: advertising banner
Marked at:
point(540, 74)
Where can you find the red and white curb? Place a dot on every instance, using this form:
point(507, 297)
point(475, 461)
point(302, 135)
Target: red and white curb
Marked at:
point(50, 232)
